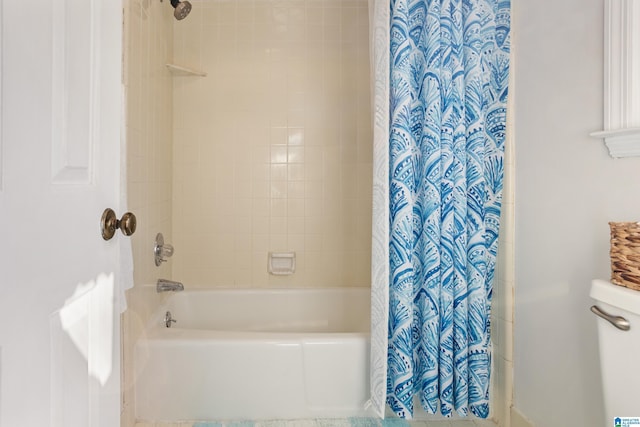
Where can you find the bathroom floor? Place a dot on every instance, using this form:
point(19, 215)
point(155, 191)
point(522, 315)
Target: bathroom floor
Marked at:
point(347, 422)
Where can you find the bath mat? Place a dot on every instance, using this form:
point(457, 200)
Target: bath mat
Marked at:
point(347, 422)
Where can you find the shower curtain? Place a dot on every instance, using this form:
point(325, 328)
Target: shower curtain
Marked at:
point(440, 89)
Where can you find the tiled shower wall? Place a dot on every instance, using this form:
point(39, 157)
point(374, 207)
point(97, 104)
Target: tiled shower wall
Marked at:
point(148, 45)
point(273, 148)
point(148, 85)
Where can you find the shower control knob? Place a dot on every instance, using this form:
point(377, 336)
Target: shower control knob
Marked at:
point(161, 250)
point(109, 223)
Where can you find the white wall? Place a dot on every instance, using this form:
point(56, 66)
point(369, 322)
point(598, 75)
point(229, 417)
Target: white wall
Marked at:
point(568, 188)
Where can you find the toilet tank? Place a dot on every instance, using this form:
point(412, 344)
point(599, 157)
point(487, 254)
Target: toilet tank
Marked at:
point(619, 349)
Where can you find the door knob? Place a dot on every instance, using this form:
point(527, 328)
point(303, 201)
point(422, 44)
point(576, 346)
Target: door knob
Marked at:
point(109, 223)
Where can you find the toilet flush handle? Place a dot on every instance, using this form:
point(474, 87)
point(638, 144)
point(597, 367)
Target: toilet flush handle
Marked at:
point(617, 321)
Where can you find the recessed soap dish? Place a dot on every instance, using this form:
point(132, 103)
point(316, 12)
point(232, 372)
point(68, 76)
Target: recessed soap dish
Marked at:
point(282, 263)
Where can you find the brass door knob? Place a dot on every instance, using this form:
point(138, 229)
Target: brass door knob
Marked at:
point(109, 223)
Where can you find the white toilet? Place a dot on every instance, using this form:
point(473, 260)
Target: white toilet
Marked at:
point(619, 348)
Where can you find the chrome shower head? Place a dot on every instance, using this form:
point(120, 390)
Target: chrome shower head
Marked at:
point(182, 9)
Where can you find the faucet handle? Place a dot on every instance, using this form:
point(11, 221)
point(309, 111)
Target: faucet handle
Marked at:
point(166, 251)
point(161, 251)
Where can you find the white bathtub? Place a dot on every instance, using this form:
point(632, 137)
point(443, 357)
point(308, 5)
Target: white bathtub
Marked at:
point(256, 354)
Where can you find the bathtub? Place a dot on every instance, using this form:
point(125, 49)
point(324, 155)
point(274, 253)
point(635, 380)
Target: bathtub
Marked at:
point(255, 354)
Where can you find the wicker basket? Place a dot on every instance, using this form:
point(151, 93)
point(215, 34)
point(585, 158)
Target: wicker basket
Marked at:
point(625, 254)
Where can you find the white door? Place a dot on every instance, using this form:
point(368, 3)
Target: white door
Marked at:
point(59, 169)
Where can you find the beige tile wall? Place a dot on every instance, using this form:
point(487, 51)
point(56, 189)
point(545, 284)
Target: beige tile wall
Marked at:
point(149, 130)
point(148, 87)
point(273, 148)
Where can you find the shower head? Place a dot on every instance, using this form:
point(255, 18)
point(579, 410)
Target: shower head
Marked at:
point(182, 9)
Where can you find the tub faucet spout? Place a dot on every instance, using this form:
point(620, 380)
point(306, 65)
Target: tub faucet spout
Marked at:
point(165, 285)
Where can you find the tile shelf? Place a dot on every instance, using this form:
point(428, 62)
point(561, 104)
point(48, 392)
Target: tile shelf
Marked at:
point(179, 70)
point(621, 132)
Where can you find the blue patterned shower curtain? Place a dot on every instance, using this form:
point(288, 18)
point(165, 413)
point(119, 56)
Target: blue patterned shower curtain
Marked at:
point(449, 63)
